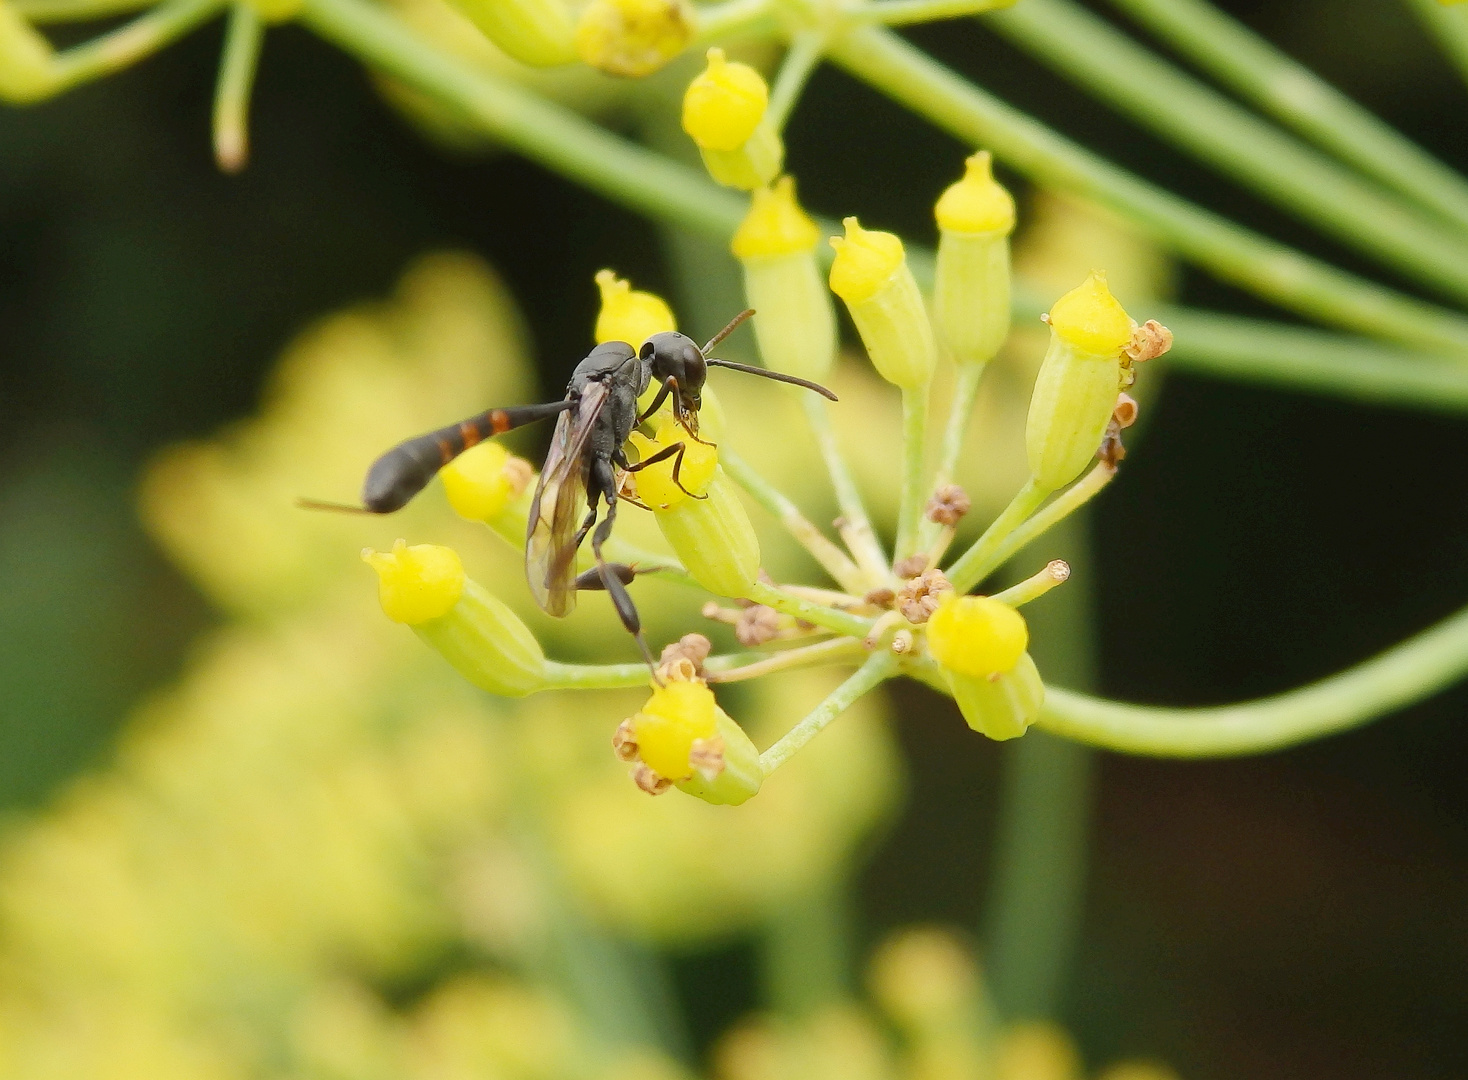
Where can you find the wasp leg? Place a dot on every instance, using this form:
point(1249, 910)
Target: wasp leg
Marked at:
point(670, 386)
point(676, 452)
point(603, 482)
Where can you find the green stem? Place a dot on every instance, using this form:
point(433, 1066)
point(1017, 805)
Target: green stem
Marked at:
point(732, 667)
point(57, 11)
point(1094, 54)
point(905, 12)
point(544, 132)
point(1296, 96)
point(1272, 270)
point(825, 652)
point(858, 532)
point(1057, 510)
point(818, 614)
point(863, 679)
point(914, 494)
point(805, 955)
point(1450, 26)
point(796, 69)
point(666, 191)
point(243, 36)
point(1037, 890)
point(125, 46)
point(1407, 672)
point(979, 561)
point(832, 559)
point(1355, 369)
point(960, 409)
point(732, 17)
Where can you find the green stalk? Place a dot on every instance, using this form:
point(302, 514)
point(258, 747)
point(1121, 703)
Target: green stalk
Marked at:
point(1293, 94)
point(1449, 25)
point(838, 621)
point(125, 46)
point(914, 494)
point(832, 559)
point(554, 136)
point(1106, 63)
point(1351, 368)
point(243, 36)
point(979, 561)
point(1235, 254)
point(805, 954)
point(1057, 510)
point(878, 667)
point(59, 11)
point(906, 12)
point(1037, 891)
point(665, 191)
point(801, 60)
point(1403, 674)
point(858, 533)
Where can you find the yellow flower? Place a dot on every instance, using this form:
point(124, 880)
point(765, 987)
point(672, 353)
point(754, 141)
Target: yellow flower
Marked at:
point(656, 485)
point(1075, 391)
point(628, 315)
point(633, 37)
point(870, 273)
point(977, 635)
point(724, 104)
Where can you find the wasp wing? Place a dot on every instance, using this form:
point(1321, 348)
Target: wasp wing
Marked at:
point(550, 550)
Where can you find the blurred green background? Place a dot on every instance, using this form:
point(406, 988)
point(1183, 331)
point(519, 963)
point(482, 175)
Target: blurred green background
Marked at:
point(1293, 916)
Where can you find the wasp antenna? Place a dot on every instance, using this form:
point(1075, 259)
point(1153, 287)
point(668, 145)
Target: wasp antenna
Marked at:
point(776, 375)
point(733, 325)
point(333, 507)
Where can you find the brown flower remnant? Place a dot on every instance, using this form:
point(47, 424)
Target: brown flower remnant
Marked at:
point(911, 566)
point(919, 598)
point(948, 505)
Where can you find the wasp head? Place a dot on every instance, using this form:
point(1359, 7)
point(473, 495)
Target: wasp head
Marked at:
point(675, 354)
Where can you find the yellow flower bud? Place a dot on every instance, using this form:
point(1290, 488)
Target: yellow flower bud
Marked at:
point(756, 162)
point(633, 37)
point(419, 583)
point(739, 774)
point(794, 322)
point(775, 226)
point(971, 284)
point(483, 480)
point(1090, 319)
point(535, 32)
point(977, 203)
point(655, 484)
point(724, 103)
point(976, 635)
point(1002, 706)
point(666, 727)
point(1075, 391)
point(425, 587)
point(870, 273)
point(714, 539)
point(627, 315)
point(26, 70)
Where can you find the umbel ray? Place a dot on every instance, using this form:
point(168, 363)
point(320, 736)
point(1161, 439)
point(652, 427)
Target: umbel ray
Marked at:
point(596, 417)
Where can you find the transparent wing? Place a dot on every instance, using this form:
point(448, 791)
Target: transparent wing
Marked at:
point(555, 511)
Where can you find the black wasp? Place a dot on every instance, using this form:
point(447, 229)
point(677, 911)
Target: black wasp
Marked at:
point(597, 415)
